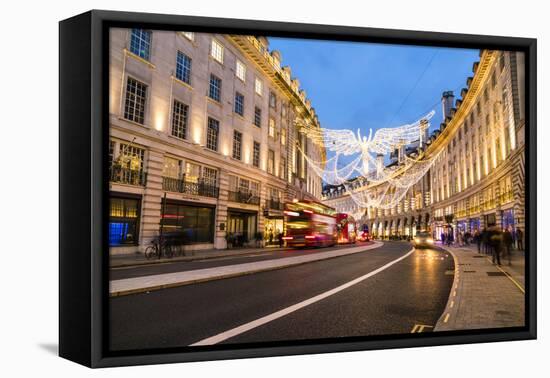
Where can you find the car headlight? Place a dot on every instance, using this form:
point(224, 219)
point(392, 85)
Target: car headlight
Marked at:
point(416, 240)
point(430, 240)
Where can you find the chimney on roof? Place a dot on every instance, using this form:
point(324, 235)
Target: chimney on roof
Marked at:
point(447, 101)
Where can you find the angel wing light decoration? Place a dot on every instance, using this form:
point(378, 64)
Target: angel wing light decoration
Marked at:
point(390, 183)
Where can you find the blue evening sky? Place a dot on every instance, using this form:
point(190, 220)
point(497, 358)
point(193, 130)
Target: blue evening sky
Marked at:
point(361, 85)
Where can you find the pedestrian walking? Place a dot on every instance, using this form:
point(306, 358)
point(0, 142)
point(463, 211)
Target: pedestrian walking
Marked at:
point(485, 241)
point(507, 241)
point(450, 238)
point(519, 239)
point(443, 238)
point(495, 242)
point(477, 239)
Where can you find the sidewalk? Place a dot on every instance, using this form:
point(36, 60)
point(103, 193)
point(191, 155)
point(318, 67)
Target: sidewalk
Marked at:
point(484, 295)
point(118, 261)
point(166, 280)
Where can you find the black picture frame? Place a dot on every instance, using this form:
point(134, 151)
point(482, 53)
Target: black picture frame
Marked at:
point(83, 123)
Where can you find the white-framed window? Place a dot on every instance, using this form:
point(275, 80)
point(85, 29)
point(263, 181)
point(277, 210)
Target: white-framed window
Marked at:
point(217, 51)
point(239, 104)
point(237, 144)
point(271, 162)
point(212, 134)
point(256, 155)
point(258, 86)
point(192, 172)
point(215, 88)
point(180, 113)
point(171, 167)
point(272, 100)
point(189, 35)
point(255, 188)
point(258, 116)
point(271, 128)
point(210, 176)
point(136, 97)
point(240, 70)
point(183, 67)
point(140, 43)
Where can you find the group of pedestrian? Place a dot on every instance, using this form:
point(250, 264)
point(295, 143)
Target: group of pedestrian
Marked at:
point(495, 242)
point(447, 238)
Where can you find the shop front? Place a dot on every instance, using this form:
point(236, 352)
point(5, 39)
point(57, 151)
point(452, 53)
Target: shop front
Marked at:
point(474, 225)
point(489, 219)
point(242, 226)
point(273, 227)
point(462, 225)
point(439, 229)
point(508, 221)
point(124, 221)
point(188, 223)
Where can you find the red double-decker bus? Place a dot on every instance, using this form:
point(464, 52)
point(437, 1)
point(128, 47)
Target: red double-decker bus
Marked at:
point(309, 224)
point(345, 225)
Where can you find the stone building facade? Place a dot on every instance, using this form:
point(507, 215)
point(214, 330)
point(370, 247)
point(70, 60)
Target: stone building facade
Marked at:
point(203, 138)
point(478, 178)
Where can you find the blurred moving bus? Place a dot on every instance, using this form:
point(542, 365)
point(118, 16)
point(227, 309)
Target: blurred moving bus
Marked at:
point(309, 224)
point(345, 225)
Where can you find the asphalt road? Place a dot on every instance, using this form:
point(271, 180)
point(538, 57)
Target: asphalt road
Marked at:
point(412, 291)
point(119, 273)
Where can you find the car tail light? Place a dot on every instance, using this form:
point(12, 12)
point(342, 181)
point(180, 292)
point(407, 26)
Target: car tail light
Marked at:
point(310, 236)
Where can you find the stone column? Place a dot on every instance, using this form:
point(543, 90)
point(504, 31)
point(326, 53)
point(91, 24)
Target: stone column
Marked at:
point(263, 197)
point(221, 212)
point(152, 198)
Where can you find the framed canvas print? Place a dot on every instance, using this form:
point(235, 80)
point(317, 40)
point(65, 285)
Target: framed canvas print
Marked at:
point(234, 188)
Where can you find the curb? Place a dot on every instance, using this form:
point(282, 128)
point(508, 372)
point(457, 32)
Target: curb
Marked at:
point(191, 258)
point(232, 275)
point(451, 307)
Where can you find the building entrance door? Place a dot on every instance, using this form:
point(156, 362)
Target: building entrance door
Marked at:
point(242, 226)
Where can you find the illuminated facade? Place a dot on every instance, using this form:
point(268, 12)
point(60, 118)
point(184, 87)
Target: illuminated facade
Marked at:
point(203, 138)
point(478, 179)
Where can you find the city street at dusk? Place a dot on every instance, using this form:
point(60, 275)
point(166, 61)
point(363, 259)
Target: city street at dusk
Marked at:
point(267, 189)
point(419, 285)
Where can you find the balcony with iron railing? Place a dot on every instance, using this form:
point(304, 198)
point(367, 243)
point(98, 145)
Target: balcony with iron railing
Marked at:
point(274, 204)
point(244, 196)
point(196, 188)
point(121, 175)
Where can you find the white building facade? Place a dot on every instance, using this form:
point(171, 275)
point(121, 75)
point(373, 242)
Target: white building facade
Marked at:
point(203, 139)
point(478, 178)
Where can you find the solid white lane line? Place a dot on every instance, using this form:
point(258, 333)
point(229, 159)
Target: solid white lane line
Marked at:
point(276, 315)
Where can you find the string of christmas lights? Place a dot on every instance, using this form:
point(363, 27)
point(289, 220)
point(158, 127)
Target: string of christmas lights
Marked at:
point(374, 185)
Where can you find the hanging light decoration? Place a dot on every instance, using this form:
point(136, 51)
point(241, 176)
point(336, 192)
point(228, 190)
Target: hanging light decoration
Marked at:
point(375, 185)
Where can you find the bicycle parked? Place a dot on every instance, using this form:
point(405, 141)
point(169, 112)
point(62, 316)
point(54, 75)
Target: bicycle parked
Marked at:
point(172, 245)
point(156, 250)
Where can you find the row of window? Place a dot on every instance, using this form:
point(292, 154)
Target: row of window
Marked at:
point(136, 98)
point(134, 110)
point(140, 45)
